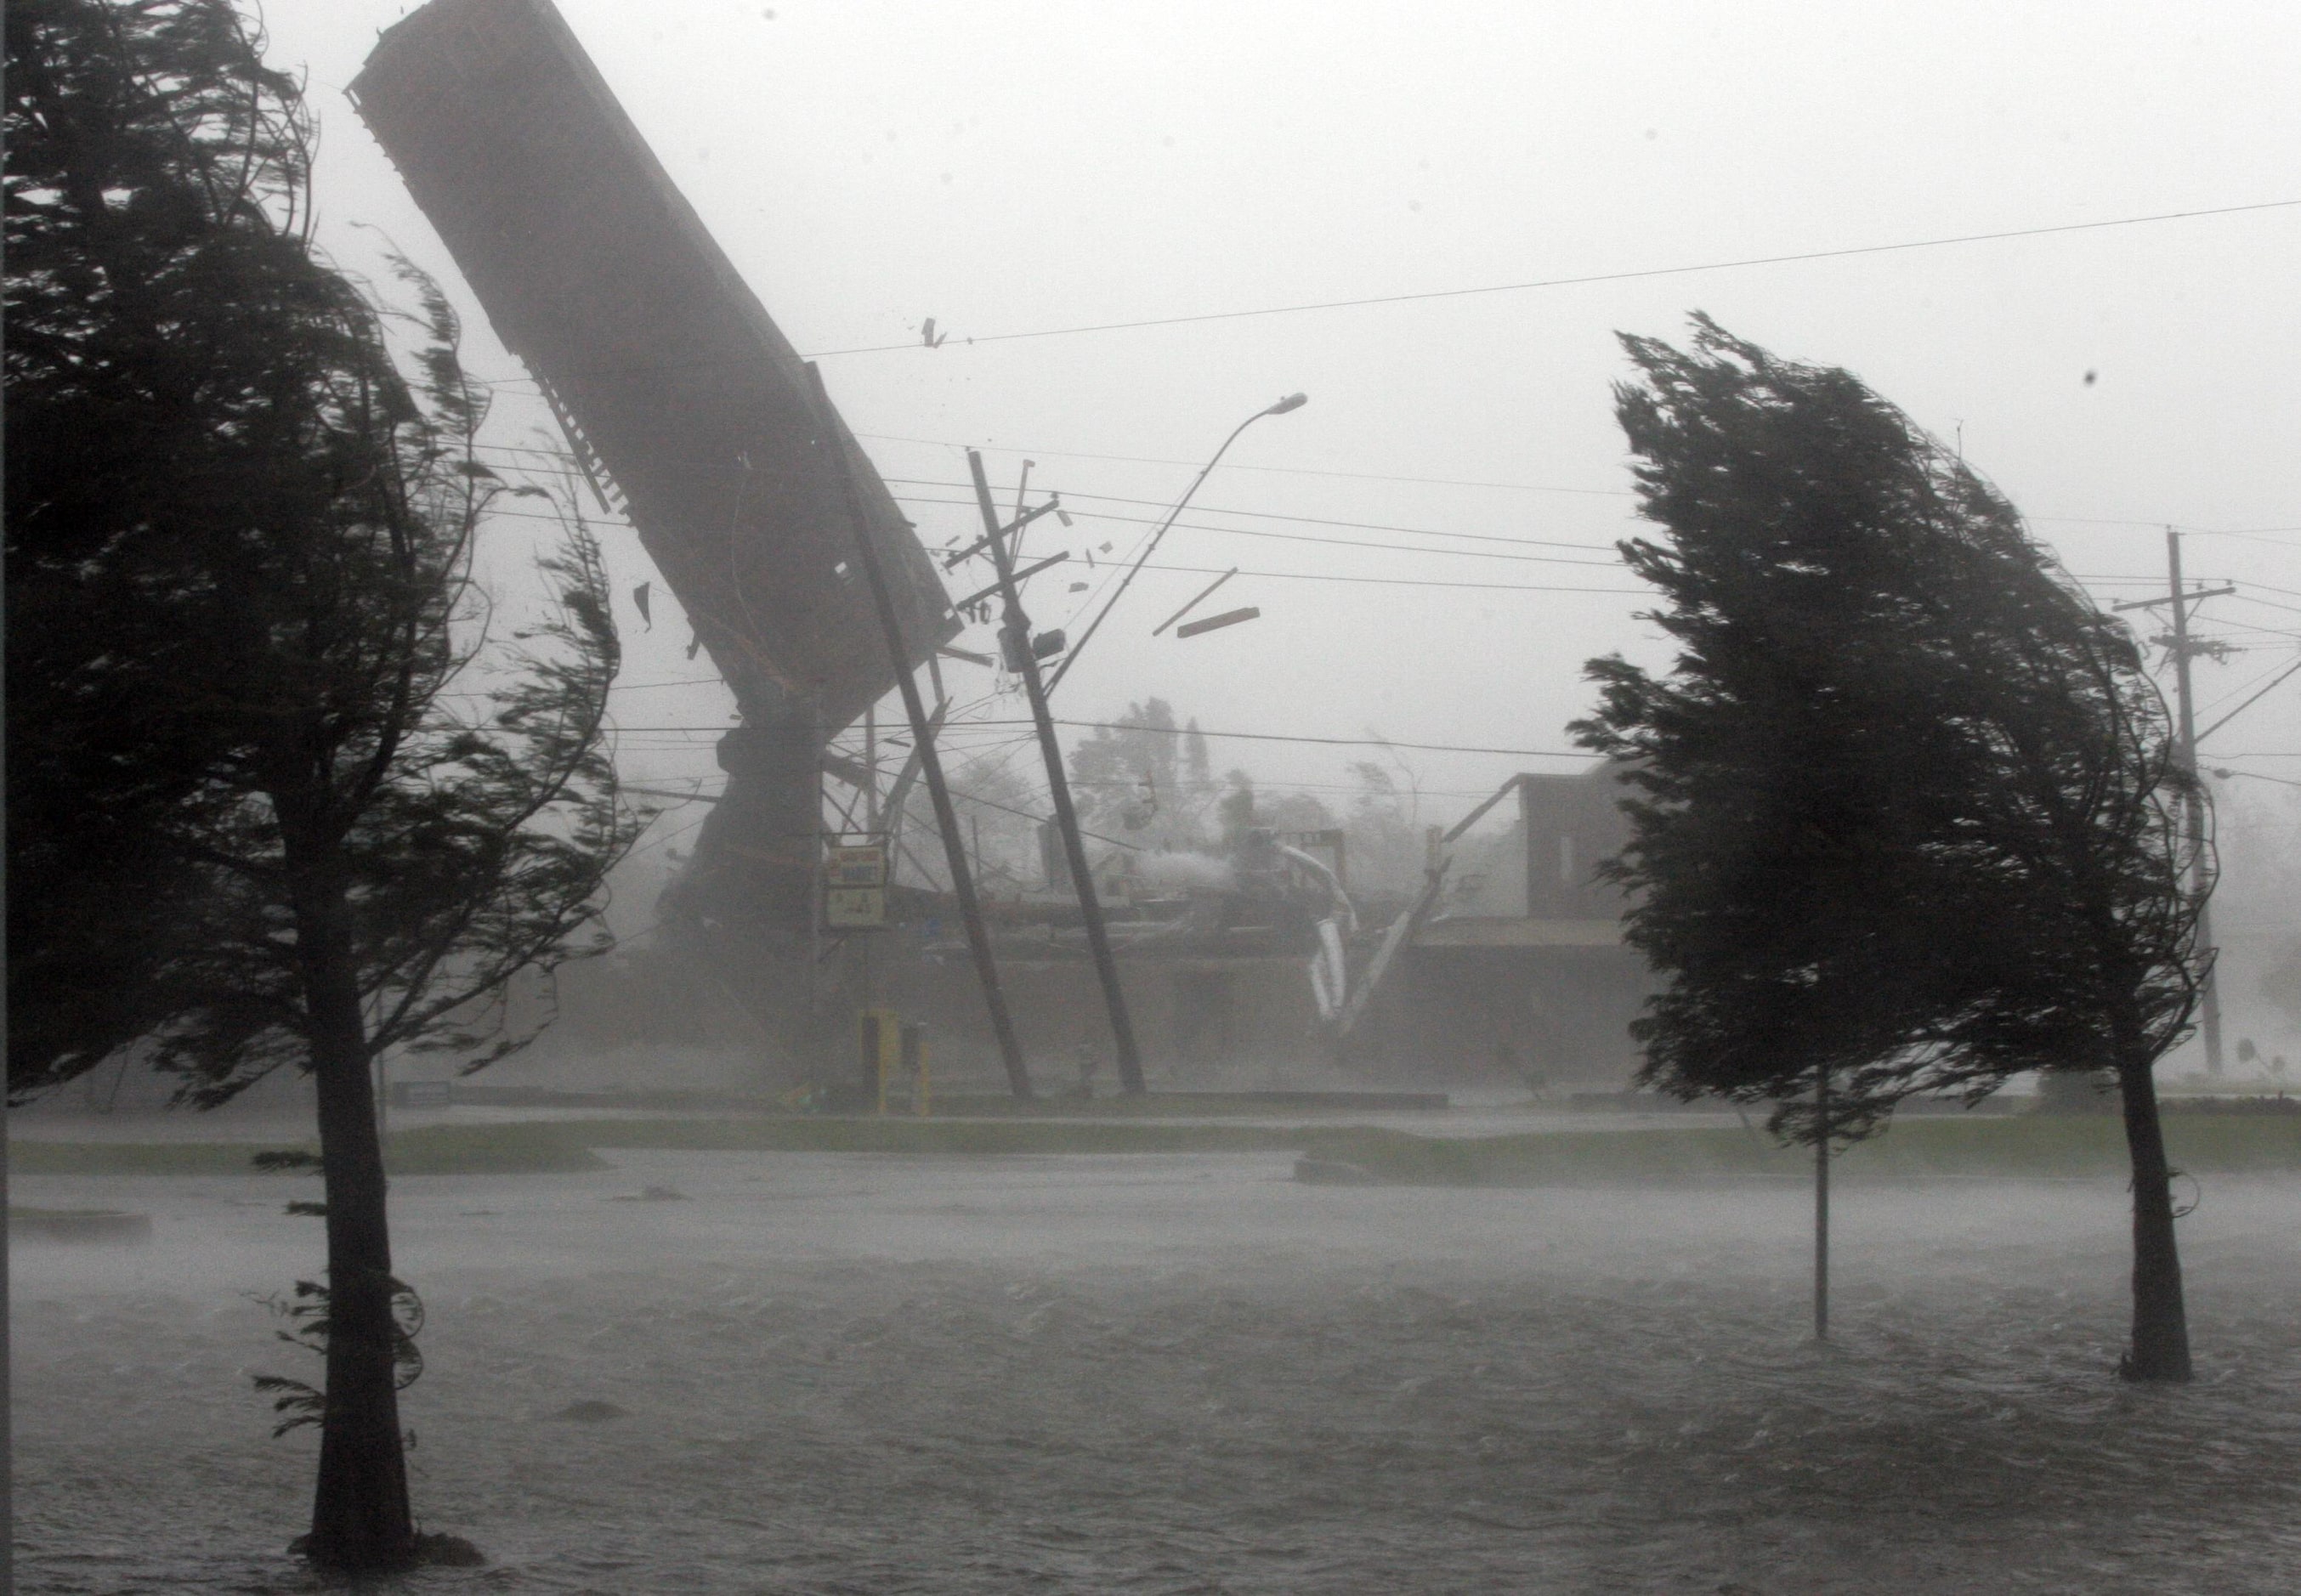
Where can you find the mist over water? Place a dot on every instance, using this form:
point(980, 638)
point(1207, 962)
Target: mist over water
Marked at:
point(838, 1372)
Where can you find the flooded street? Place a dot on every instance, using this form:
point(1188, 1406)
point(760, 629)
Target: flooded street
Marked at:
point(1122, 799)
point(833, 1373)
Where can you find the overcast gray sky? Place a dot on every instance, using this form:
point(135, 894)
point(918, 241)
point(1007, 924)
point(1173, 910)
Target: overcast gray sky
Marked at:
point(1013, 167)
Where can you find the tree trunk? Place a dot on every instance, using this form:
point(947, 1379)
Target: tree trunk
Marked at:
point(1822, 1205)
point(2161, 1323)
point(360, 1513)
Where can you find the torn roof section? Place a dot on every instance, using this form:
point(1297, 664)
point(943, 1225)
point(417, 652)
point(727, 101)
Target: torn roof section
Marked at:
point(688, 406)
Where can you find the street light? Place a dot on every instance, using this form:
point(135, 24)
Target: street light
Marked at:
point(1291, 402)
point(2224, 775)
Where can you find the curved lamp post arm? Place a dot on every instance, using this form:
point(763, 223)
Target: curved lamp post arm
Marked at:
point(1070, 656)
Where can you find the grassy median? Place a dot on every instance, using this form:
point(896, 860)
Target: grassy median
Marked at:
point(2001, 1147)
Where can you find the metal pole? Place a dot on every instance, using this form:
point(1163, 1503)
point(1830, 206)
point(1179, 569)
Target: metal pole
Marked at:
point(962, 880)
point(2210, 996)
point(1203, 595)
point(818, 1045)
point(1822, 1206)
point(1016, 632)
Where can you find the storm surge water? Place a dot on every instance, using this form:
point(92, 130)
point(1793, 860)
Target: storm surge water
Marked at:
point(834, 1373)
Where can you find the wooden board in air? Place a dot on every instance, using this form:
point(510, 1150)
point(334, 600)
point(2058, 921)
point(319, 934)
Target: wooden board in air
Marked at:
point(1215, 623)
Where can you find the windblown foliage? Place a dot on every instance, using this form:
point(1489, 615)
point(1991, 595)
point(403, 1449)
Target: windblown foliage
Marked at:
point(240, 603)
point(1910, 808)
point(153, 230)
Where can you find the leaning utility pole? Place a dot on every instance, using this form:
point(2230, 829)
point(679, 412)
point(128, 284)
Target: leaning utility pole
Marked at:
point(2178, 602)
point(923, 745)
point(1014, 635)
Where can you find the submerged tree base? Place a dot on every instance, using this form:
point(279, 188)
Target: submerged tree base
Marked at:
point(2130, 1367)
point(428, 1552)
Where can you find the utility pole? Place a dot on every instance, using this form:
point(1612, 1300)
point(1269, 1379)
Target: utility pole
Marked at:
point(1016, 638)
point(2211, 998)
point(2179, 601)
point(962, 880)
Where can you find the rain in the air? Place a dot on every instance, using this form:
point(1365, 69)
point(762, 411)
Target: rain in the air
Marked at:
point(1152, 797)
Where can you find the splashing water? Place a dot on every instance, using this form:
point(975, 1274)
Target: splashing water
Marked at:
point(847, 1373)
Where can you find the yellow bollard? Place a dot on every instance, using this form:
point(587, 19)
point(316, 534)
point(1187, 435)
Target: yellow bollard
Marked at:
point(879, 1035)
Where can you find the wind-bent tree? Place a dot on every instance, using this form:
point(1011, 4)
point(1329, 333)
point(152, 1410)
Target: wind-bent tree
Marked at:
point(1910, 809)
point(245, 571)
point(131, 215)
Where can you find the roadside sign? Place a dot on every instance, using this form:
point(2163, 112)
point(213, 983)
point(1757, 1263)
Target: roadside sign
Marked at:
point(855, 887)
point(855, 908)
point(864, 865)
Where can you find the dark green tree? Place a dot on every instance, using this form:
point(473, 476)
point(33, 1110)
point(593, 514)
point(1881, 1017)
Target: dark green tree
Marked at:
point(246, 570)
point(1235, 811)
point(1197, 767)
point(1388, 854)
point(132, 215)
point(1909, 809)
point(1128, 774)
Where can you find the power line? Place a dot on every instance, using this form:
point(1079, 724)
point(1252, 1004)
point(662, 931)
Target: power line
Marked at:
point(1068, 495)
point(970, 797)
point(2267, 603)
point(2284, 667)
point(2257, 533)
point(2153, 522)
point(1317, 576)
point(1339, 742)
point(1072, 495)
point(667, 838)
point(1289, 471)
point(1362, 543)
point(1403, 582)
point(1367, 525)
point(1342, 742)
point(1242, 532)
point(2280, 678)
point(2284, 639)
point(1507, 288)
point(1563, 282)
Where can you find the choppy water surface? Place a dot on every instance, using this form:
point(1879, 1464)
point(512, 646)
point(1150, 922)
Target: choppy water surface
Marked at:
point(1173, 1373)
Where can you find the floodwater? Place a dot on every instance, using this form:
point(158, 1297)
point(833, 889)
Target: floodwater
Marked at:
point(833, 1373)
